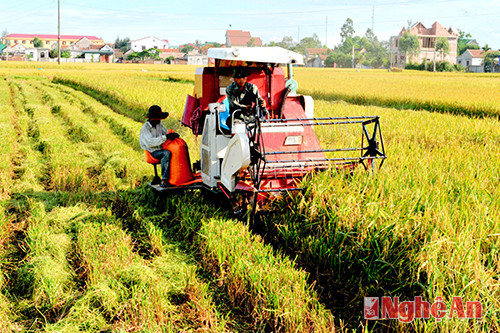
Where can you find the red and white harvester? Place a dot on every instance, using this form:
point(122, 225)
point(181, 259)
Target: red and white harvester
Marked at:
point(272, 151)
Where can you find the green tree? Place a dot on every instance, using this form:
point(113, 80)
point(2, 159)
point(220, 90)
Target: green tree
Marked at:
point(442, 46)
point(37, 42)
point(169, 60)
point(489, 55)
point(489, 58)
point(54, 53)
point(286, 43)
point(347, 30)
point(307, 43)
point(354, 50)
point(187, 48)
point(329, 61)
point(149, 54)
point(378, 55)
point(251, 42)
point(122, 44)
point(463, 41)
point(409, 45)
point(371, 36)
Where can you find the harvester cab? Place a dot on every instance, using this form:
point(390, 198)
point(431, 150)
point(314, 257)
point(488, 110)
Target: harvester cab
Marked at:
point(270, 151)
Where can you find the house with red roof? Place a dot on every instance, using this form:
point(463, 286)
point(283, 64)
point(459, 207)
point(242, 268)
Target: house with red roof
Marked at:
point(427, 38)
point(315, 57)
point(473, 60)
point(48, 41)
point(86, 49)
point(172, 55)
point(240, 38)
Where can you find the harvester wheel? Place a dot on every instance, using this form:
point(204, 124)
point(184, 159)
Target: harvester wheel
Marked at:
point(240, 202)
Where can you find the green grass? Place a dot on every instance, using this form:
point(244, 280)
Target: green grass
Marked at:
point(266, 287)
point(28, 169)
point(7, 316)
point(7, 137)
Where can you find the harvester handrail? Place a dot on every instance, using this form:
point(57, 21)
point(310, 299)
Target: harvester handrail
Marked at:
point(335, 159)
point(282, 189)
point(314, 151)
point(310, 122)
point(318, 119)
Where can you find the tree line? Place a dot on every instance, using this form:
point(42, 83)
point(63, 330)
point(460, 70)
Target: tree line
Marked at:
point(351, 51)
point(369, 51)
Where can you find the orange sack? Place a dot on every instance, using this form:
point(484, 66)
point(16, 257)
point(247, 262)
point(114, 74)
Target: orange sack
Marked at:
point(180, 165)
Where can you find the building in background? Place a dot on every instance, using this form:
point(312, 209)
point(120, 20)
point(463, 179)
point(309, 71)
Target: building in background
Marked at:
point(147, 43)
point(235, 38)
point(48, 41)
point(427, 39)
point(316, 57)
point(473, 61)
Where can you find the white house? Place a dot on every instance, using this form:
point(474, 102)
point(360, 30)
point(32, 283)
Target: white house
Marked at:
point(37, 54)
point(16, 49)
point(473, 60)
point(102, 54)
point(197, 59)
point(146, 43)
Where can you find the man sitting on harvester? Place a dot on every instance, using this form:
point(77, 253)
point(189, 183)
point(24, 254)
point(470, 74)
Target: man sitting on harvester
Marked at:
point(242, 95)
point(153, 135)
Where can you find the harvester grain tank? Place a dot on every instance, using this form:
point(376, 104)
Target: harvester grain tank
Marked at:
point(271, 150)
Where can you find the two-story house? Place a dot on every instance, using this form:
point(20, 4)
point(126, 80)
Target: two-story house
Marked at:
point(48, 41)
point(427, 38)
point(239, 38)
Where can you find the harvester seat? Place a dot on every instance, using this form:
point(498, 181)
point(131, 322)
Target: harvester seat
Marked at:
point(151, 160)
point(224, 116)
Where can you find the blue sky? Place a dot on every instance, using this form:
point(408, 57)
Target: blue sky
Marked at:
point(186, 21)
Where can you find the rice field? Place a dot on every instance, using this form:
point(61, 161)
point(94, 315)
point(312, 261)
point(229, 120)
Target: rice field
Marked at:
point(457, 93)
point(87, 247)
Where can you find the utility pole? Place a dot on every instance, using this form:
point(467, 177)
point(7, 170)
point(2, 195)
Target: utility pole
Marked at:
point(326, 32)
point(353, 56)
point(434, 57)
point(59, 32)
point(373, 18)
point(298, 34)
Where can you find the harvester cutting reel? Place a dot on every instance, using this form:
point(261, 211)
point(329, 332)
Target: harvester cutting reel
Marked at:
point(276, 167)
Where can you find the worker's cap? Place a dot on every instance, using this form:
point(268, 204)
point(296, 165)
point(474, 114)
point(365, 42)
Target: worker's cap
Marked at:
point(155, 112)
point(241, 72)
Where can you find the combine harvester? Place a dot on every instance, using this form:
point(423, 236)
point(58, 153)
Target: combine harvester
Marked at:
point(273, 150)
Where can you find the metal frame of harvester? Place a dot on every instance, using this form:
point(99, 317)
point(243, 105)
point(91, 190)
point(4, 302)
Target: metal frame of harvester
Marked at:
point(263, 156)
